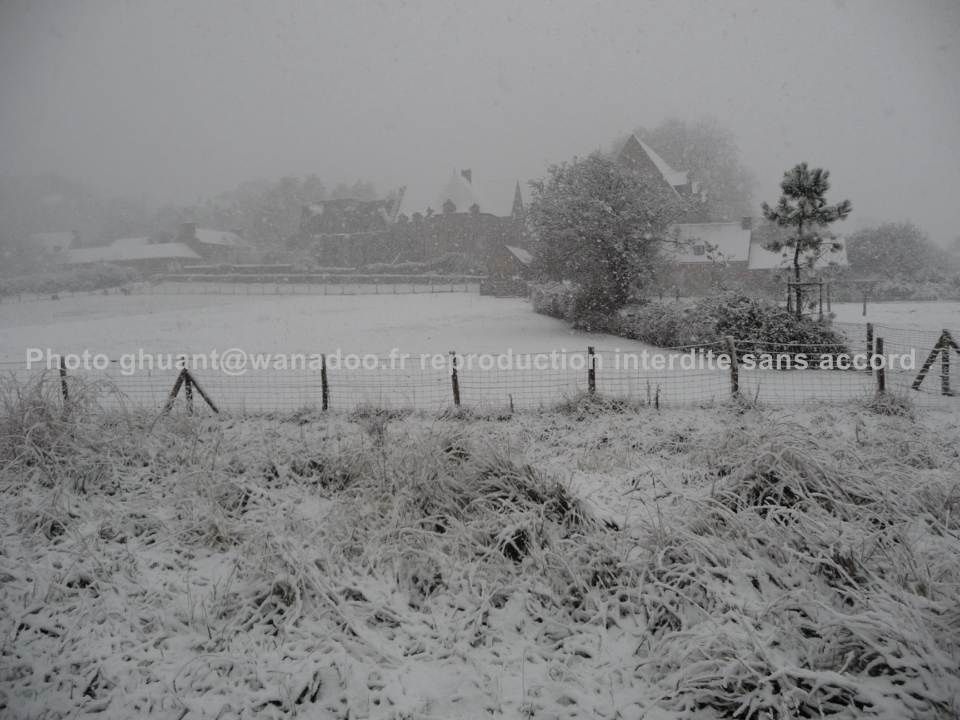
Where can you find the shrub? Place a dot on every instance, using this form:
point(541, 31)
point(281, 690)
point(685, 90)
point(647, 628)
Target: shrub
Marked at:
point(660, 324)
point(95, 277)
point(448, 263)
point(757, 326)
point(763, 327)
point(554, 299)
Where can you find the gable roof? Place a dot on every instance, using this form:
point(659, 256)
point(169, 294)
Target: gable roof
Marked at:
point(730, 239)
point(763, 259)
point(220, 237)
point(674, 177)
point(640, 157)
point(128, 252)
point(131, 242)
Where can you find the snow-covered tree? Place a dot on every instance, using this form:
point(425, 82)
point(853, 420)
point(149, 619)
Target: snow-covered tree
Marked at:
point(803, 208)
point(599, 226)
point(898, 250)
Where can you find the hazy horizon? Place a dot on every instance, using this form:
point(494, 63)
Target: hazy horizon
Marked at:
point(177, 100)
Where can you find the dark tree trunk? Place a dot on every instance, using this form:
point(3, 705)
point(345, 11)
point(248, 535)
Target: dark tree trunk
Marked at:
point(796, 271)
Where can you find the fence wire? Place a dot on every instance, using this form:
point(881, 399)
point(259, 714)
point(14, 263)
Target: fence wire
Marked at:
point(335, 285)
point(659, 377)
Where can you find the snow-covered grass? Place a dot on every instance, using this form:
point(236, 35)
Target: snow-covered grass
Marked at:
point(421, 323)
point(465, 322)
point(414, 324)
point(597, 560)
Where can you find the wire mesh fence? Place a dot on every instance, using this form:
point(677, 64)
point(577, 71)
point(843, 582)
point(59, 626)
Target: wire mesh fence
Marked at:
point(252, 286)
point(764, 372)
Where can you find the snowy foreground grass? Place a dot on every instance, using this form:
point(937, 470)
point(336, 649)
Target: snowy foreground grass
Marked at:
point(592, 561)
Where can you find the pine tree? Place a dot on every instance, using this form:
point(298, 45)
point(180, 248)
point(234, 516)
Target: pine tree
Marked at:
point(803, 205)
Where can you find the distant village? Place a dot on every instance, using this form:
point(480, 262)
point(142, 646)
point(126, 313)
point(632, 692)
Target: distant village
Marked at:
point(357, 233)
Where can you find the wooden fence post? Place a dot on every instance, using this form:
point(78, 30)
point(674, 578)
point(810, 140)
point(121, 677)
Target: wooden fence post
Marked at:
point(173, 392)
point(194, 385)
point(454, 378)
point(63, 382)
point(734, 367)
point(591, 371)
point(881, 370)
point(188, 390)
point(870, 347)
point(946, 342)
point(324, 386)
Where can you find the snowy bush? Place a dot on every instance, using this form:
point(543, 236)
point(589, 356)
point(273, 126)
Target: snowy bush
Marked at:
point(95, 277)
point(756, 325)
point(555, 299)
point(451, 262)
point(663, 325)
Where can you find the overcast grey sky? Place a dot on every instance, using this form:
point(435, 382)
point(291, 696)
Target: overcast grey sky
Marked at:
point(181, 98)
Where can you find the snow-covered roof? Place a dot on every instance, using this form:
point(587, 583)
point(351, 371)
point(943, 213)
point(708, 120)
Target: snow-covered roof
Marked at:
point(729, 239)
point(219, 237)
point(638, 156)
point(763, 259)
point(129, 252)
point(130, 242)
point(674, 177)
point(521, 254)
point(462, 192)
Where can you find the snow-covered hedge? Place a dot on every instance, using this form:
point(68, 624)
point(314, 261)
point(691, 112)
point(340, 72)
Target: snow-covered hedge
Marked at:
point(95, 277)
point(555, 299)
point(451, 263)
point(755, 324)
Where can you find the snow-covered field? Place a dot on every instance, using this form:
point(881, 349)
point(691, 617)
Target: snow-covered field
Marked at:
point(592, 563)
point(420, 325)
point(905, 315)
point(430, 566)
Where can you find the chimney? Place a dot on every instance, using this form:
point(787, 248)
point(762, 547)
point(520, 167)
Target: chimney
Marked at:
point(467, 175)
point(746, 222)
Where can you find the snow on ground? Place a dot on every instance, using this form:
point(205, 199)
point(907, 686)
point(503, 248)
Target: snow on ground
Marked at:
point(213, 574)
point(906, 315)
point(422, 323)
point(430, 324)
